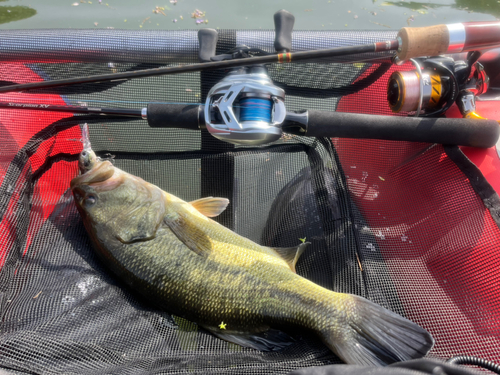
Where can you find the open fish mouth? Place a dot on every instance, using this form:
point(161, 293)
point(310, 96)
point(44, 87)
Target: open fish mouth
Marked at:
point(101, 174)
point(102, 177)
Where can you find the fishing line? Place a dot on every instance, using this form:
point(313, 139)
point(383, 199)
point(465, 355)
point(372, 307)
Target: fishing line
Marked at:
point(255, 109)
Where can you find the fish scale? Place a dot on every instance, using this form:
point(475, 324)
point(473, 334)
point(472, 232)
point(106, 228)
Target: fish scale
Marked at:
point(171, 252)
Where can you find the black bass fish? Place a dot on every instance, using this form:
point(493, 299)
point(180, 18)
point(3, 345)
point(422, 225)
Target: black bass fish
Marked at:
point(172, 252)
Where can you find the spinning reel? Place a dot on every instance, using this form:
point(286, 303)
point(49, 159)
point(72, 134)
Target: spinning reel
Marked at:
point(437, 83)
point(245, 107)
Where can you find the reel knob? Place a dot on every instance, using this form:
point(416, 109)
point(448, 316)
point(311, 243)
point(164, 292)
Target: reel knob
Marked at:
point(283, 25)
point(208, 43)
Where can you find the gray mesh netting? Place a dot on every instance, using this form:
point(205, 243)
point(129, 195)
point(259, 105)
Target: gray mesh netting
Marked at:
point(403, 224)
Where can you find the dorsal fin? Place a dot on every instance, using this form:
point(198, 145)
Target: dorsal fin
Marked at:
point(291, 254)
point(210, 206)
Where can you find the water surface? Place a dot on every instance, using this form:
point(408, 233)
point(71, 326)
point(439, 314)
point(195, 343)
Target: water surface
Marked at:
point(239, 14)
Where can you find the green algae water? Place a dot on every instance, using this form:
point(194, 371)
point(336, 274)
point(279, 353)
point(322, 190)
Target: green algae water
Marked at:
point(239, 14)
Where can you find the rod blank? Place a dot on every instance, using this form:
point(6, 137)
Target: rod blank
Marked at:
point(226, 64)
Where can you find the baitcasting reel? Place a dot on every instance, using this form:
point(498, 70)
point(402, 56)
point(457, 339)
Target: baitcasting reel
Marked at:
point(436, 84)
point(245, 107)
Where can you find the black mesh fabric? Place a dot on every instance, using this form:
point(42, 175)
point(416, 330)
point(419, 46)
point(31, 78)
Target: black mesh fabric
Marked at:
point(399, 223)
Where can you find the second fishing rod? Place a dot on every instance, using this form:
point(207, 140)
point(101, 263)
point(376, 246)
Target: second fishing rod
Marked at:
point(409, 43)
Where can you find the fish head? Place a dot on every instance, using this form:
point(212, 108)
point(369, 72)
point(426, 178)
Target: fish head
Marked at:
point(96, 187)
point(115, 203)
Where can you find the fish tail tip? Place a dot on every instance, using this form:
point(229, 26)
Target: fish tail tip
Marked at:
point(378, 336)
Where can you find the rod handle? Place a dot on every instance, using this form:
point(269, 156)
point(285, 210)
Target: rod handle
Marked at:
point(283, 24)
point(450, 38)
point(453, 131)
point(162, 115)
point(423, 41)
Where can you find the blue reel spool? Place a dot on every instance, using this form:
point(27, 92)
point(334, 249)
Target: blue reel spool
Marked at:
point(255, 109)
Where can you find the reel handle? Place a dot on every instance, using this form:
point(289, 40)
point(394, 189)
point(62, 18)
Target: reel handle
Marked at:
point(283, 24)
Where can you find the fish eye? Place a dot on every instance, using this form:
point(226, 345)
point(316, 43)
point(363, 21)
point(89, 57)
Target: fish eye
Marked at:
point(90, 200)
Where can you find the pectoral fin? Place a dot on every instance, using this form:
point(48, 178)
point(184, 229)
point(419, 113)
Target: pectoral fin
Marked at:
point(291, 254)
point(139, 222)
point(270, 340)
point(194, 238)
point(210, 206)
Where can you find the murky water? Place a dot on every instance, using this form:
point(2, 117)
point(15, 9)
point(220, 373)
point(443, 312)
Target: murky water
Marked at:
point(239, 14)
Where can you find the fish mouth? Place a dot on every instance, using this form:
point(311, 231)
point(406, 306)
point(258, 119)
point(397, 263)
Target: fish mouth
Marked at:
point(101, 173)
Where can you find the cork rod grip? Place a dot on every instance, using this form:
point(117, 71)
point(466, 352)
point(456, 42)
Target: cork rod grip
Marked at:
point(423, 41)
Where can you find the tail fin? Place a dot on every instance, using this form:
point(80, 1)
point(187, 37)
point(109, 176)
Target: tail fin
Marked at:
point(377, 336)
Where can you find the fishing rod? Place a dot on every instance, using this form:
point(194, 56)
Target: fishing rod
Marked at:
point(409, 43)
point(285, 57)
point(238, 57)
point(473, 132)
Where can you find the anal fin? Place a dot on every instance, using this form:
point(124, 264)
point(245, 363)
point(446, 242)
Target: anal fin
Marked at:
point(270, 340)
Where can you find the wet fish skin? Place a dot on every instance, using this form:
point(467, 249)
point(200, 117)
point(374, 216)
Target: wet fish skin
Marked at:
point(191, 266)
point(166, 268)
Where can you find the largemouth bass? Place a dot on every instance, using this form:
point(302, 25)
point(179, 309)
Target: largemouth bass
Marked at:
point(172, 252)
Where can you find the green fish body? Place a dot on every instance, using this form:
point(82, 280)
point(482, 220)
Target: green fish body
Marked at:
point(172, 252)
